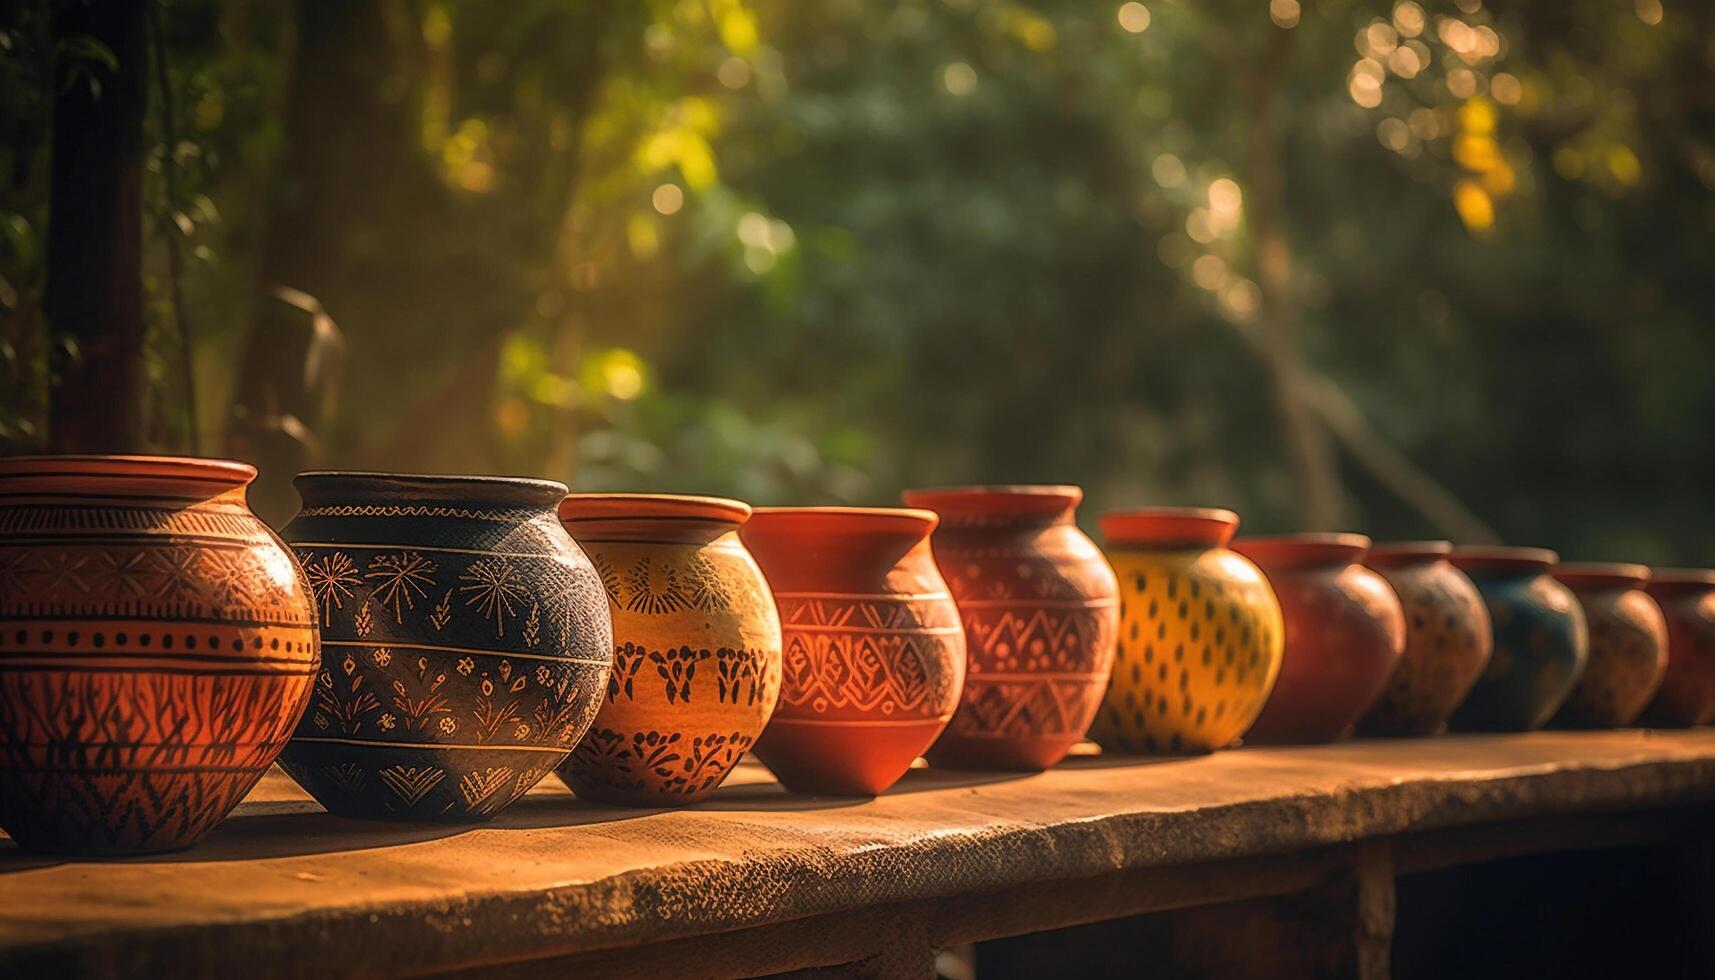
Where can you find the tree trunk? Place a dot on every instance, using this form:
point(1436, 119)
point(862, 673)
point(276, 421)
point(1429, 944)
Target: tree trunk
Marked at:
point(1314, 466)
point(93, 298)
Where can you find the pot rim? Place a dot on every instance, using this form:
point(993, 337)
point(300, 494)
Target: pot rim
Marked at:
point(989, 504)
point(517, 491)
point(1681, 579)
point(1169, 527)
point(1601, 575)
point(211, 469)
point(1502, 558)
point(1395, 554)
point(602, 508)
point(1305, 548)
point(909, 520)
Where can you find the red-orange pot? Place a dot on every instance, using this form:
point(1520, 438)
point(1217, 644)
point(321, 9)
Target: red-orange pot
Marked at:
point(874, 653)
point(1628, 645)
point(1345, 632)
point(157, 645)
point(1687, 693)
point(1040, 607)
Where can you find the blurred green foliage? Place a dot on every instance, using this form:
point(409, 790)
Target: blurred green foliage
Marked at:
point(818, 252)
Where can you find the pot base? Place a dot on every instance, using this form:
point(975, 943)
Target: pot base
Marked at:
point(1011, 754)
point(832, 759)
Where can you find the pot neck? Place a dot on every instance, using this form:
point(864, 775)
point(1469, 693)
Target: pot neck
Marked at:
point(182, 479)
point(1581, 576)
point(1406, 554)
point(1681, 581)
point(1021, 507)
point(325, 488)
point(646, 517)
point(1169, 527)
point(1496, 561)
point(827, 549)
point(1319, 550)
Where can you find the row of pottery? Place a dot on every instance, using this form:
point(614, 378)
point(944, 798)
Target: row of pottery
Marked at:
point(442, 643)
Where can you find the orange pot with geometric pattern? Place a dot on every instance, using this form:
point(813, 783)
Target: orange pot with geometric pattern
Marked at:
point(1199, 633)
point(1040, 607)
point(696, 647)
point(157, 645)
point(874, 655)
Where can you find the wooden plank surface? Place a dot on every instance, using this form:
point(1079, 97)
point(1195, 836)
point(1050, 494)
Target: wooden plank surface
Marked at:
point(283, 888)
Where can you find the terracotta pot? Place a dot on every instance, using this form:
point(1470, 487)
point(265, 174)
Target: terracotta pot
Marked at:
point(1447, 639)
point(696, 658)
point(157, 644)
point(1687, 693)
point(874, 653)
point(1040, 608)
point(1541, 642)
point(1628, 646)
point(1345, 633)
point(465, 642)
point(1199, 637)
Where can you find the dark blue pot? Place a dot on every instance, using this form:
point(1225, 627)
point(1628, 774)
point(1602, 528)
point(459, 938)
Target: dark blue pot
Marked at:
point(1541, 641)
point(465, 642)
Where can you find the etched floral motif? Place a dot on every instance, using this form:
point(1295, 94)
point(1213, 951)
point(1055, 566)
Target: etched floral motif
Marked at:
point(492, 714)
point(401, 579)
point(381, 657)
point(677, 668)
point(609, 578)
point(497, 590)
point(417, 696)
point(363, 620)
point(708, 589)
point(465, 666)
point(386, 722)
point(332, 578)
point(653, 590)
point(345, 702)
point(627, 660)
point(442, 613)
point(532, 633)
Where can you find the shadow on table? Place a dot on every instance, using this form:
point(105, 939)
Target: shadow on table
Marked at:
point(1120, 761)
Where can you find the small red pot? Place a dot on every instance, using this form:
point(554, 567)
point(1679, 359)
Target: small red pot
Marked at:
point(1687, 693)
point(1628, 646)
point(874, 656)
point(1040, 607)
point(1345, 633)
point(1447, 639)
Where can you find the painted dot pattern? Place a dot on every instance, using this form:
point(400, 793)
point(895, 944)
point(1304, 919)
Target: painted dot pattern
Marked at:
point(1628, 655)
point(1446, 647)
point(1199, 648)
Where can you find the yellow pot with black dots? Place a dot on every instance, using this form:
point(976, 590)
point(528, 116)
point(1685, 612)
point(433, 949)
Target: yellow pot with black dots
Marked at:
point(1200, 634)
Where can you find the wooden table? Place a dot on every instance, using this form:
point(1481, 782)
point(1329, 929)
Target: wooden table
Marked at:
point(756, 880)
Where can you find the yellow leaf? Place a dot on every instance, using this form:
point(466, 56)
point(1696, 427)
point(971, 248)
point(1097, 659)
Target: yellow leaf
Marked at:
point(1475, 207)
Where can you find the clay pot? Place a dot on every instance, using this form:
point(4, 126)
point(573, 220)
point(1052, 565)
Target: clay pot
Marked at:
point(696, 655)
point(874, 653)
point(1345, 633)
point(1687, 693)
point(1628, 646)
point(1040, 608)
point(465, 642)
point(1199, 636)
point(1541, 642)
point(157, 644)
point(1447, 639)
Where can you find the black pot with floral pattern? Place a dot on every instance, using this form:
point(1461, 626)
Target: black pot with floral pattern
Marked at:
point(465, 643)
